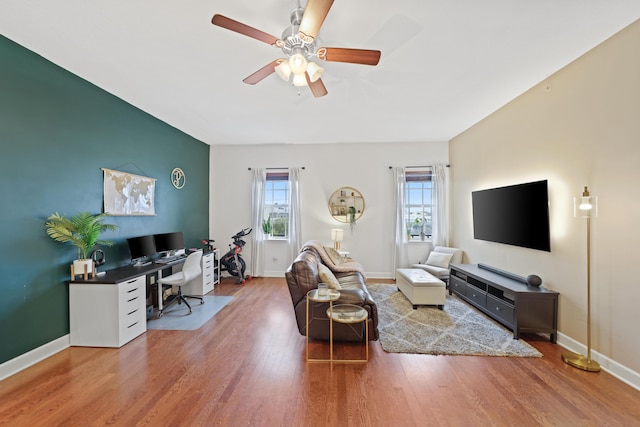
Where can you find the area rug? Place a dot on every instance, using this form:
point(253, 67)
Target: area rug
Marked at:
point(459, 329)
point(177, 316)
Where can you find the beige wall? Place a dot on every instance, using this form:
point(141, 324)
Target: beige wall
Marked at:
point(579, 127)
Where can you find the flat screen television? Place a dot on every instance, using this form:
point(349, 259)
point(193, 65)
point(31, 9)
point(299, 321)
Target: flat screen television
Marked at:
point(141, 248)
point(169, 242)
point(515, 215)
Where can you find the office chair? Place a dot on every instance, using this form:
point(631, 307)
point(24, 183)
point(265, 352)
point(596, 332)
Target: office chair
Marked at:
point(190, 270)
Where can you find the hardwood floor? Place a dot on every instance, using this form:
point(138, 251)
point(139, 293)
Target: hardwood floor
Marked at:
point(246, 367)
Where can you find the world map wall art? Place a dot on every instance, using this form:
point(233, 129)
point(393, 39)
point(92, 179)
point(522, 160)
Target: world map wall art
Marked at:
point(126, 194)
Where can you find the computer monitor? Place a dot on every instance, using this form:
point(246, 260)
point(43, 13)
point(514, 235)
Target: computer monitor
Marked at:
point(141, 248)
point(169, 243)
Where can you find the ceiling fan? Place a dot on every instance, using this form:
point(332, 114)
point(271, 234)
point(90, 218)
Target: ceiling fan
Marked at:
point(298, 43)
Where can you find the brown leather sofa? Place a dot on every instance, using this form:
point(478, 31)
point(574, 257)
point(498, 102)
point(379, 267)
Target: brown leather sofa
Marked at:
point(303, 276)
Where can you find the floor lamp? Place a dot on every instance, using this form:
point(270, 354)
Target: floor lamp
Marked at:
point(585, 207)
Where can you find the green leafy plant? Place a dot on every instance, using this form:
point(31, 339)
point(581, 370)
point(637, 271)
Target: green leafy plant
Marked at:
point(266, 225)
point(82, 230)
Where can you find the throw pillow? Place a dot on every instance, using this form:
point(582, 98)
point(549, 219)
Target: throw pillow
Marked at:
point(326, 276)
point(334, 256)
point(439, 259)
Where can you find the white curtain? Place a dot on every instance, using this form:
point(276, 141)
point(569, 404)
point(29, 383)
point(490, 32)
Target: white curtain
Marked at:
point(293, 246)
point(441, 211)
point(400, 255)
point(257, 212)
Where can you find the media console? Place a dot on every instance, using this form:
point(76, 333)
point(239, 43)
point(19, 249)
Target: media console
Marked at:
point(506, 298)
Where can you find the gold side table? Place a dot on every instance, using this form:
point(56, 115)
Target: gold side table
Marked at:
point(331, 296)
point(349, 313)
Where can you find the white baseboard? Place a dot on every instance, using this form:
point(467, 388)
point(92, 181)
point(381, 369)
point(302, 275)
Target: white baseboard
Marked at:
point(17, 364)
point(372, 276)
point(608, 365)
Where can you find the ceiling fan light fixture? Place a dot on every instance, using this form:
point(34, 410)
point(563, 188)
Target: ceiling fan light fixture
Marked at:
point(299, 80)
point(315, 71)
point(298, 63)
point(283, 70)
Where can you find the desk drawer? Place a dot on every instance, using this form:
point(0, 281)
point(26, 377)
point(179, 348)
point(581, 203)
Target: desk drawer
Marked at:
point(131, 326)
point(131, 295)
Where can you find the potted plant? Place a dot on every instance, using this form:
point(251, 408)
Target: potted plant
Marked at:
point(82, 231)
point(266, 226)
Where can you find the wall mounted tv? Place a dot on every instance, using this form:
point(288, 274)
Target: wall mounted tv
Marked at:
point(515, 215)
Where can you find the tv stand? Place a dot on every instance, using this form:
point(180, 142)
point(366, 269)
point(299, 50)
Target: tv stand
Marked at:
point(506, 298)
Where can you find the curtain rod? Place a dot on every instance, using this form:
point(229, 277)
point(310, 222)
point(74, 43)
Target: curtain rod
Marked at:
point(303, 168)
point(414, 167)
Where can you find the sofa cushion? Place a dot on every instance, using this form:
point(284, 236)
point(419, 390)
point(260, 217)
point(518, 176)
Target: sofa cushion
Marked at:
point(437, 259)
point(457, 253)
point(327, 276)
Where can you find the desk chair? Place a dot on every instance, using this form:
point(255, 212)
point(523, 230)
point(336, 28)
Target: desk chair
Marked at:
point(190, 270)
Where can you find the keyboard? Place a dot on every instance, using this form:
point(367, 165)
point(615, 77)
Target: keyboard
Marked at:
point(168, 260)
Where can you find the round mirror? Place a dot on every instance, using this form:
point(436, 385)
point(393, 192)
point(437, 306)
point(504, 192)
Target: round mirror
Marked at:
point(346, 204)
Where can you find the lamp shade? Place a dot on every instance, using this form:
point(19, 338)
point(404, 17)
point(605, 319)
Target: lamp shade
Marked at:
point(585, 206)
point(299, 80)
point(315, 71)
point(283, 70)
point(298, 63)
point(337, 235)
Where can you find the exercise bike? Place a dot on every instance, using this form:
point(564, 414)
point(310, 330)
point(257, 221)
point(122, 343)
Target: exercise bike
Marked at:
point(232, 261)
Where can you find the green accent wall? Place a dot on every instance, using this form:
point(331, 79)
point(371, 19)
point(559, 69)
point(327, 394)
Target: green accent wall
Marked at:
point(56, 133)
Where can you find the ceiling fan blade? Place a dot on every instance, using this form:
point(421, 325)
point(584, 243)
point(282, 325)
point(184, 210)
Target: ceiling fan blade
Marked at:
point(262, 73)
point(317, 87)
point(313, 17)
point(353, 56)
point(239, 27)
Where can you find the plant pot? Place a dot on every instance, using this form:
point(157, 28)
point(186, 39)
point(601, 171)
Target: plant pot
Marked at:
point(79, 266)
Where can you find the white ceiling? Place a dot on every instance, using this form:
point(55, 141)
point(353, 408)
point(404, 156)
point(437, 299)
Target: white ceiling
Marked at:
point(445, 65)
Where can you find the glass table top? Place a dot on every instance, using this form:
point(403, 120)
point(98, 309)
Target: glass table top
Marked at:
point(347, 313)
point(314, 295)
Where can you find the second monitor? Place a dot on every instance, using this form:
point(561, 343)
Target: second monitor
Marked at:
point(169, 243)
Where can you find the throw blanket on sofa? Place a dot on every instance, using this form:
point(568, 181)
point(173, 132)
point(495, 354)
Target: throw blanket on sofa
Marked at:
point(335, 264)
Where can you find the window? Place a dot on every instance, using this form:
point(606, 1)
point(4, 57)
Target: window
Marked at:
point(276, 203)
point(418, 204)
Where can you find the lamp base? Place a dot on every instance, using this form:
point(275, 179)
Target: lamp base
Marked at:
point(579, 361)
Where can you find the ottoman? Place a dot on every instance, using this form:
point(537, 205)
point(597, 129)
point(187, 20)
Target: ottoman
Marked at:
point(421, 287)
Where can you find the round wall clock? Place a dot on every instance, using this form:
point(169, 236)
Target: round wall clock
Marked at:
point(178, 178)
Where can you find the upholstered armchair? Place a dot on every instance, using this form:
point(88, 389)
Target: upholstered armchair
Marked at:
point(438, 260)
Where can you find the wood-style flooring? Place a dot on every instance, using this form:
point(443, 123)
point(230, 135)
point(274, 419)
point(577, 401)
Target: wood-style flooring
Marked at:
point(246, 367)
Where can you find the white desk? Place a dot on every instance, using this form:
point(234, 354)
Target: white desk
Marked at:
point(110, 310)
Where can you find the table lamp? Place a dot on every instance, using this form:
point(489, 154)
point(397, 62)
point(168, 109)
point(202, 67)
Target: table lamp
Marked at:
point(336, 236)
